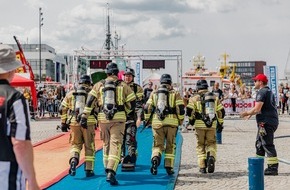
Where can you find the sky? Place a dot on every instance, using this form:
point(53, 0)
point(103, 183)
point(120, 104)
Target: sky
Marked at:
point(247, 30)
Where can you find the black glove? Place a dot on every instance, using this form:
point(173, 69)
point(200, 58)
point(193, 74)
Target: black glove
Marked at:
point(219, 127)
point(84, 122)
point(198, 115)
point(78, 118)
point(64, 127)
point(191, 122)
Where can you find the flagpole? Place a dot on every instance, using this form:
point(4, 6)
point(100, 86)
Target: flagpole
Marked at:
point(40, 25)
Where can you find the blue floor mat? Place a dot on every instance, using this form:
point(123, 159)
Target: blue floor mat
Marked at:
point(140, 179)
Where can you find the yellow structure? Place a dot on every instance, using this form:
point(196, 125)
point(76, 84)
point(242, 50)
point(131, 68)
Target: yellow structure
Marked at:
point(229, 71)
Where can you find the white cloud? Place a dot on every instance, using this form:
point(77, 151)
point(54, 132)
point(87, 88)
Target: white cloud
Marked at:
point(214, 5)
point(245, 29)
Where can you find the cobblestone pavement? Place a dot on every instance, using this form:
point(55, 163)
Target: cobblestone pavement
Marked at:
point(232, 159)
point(43, 129)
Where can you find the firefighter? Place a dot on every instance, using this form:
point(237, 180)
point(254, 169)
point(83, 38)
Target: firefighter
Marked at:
point(133, 120)
point(204, 110)
point(165, 107)
point(113, 99)
point(71, 108)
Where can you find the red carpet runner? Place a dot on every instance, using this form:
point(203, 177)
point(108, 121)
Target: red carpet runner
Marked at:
point(51, 158)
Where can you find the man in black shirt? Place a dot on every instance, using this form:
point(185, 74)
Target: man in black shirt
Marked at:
point(16, 155)
point(267, 122)
point(147, 91)
point(217, 91)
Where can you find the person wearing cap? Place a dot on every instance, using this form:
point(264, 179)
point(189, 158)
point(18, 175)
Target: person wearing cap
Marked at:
point(267, 122)
point(165, 107)
point(113, 100)
point(205, 112)
point(16, 156)
point(80, 137)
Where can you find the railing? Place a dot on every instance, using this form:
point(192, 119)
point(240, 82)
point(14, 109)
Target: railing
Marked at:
point(46, 109)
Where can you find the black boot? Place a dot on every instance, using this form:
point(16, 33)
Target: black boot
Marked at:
point(73, 165)
point(271, 170)
point(133, 158)
point(155, 163)
point(169, 170)
point(89, 173)
point(126, 159)
point(111, 177)
point(210, 164)
point(202, 170)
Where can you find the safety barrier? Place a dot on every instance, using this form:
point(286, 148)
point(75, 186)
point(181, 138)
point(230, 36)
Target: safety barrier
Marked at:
point(241, 105)
point(45, 109)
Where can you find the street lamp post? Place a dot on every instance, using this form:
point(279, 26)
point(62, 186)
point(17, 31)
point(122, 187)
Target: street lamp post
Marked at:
point(40, 25)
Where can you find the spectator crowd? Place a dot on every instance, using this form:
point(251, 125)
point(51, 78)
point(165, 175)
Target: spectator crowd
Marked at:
point(234, 93)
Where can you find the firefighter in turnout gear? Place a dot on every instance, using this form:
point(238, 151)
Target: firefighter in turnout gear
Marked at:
point(204, 110)
point(165, 106)
point(133, 121)
point(71, 108)
point(113, 99)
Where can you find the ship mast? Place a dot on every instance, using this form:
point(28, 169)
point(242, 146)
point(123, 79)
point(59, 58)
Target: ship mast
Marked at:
point(225, 56)
point(198, 62)
point(224, 67)
point(109, 42)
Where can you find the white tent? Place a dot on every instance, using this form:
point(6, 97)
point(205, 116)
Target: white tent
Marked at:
point(153, 77)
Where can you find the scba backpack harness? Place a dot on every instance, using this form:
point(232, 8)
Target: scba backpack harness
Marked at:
point(110, 106)
point(208, 109)
point(162, 107)
point(80, 96)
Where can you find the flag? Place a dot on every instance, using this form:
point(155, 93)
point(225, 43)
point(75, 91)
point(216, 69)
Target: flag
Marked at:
point(20, 57)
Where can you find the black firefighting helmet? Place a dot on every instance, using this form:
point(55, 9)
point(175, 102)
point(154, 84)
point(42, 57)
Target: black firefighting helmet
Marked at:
point(166, 79)
point(201, 84)
point(112, 69)
point(129, 71)
point(85, 79)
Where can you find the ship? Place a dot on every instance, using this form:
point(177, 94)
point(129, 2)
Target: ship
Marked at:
point(225, 74)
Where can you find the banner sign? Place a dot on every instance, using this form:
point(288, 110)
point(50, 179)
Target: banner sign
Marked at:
point(241, 105)
point(138, 77)
point(271, 73)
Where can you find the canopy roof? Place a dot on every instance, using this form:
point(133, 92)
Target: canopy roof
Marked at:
point(19, 81)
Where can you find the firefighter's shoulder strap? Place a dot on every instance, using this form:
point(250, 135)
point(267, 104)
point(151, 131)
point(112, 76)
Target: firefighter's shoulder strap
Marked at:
point(135, 88)
point(202, 102)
